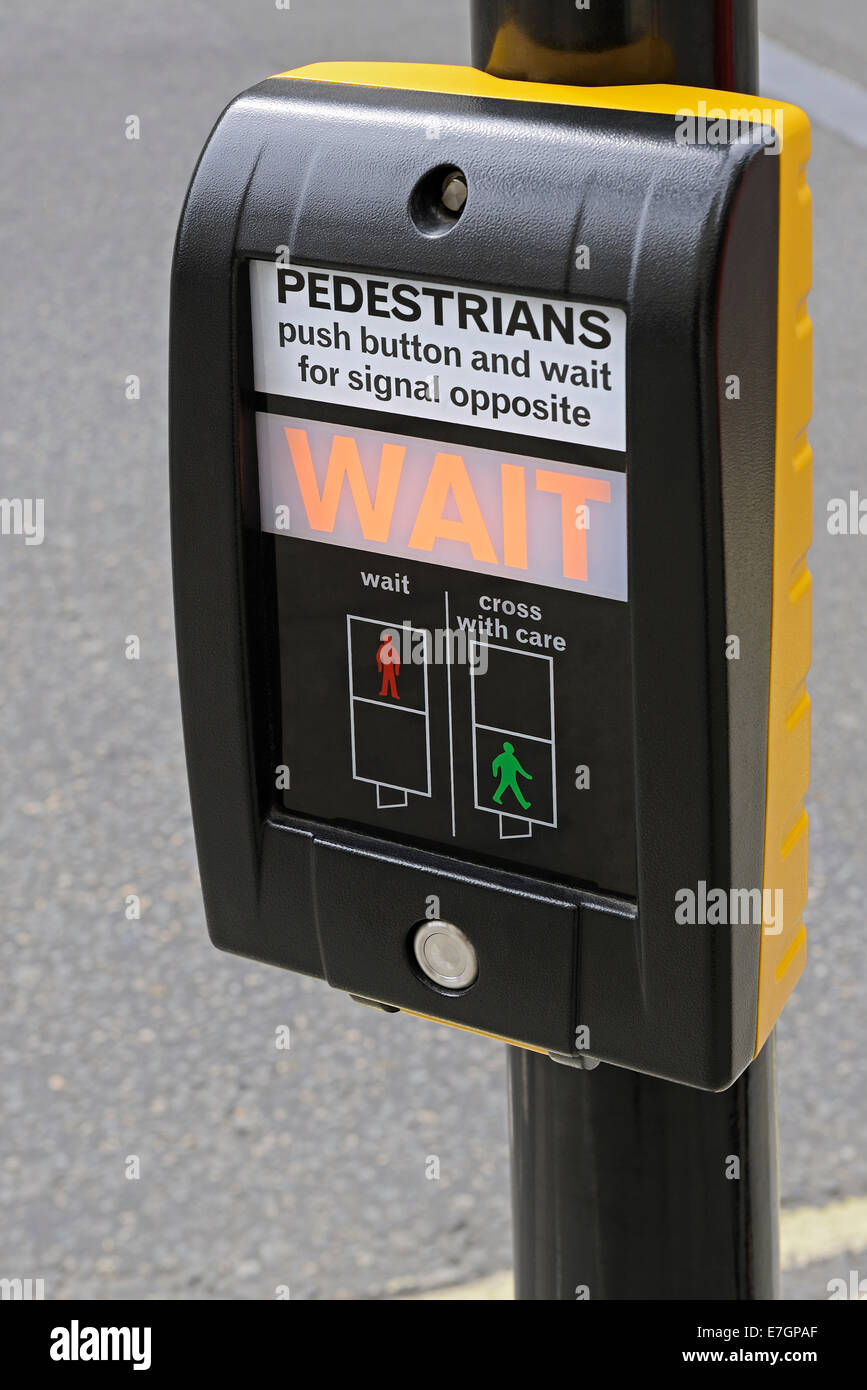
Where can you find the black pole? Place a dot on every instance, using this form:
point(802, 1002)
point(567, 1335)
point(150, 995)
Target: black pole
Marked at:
point(625, 1186)
point(699, 43)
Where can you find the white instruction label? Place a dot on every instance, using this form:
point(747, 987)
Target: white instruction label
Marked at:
point(541, 368)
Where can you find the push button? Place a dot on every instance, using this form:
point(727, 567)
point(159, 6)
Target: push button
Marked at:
point(445, 955)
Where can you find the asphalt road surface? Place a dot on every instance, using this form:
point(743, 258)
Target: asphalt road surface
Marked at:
point(135, 1039)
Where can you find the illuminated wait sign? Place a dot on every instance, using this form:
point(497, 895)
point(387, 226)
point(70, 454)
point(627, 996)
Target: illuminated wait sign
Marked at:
point(449, 504)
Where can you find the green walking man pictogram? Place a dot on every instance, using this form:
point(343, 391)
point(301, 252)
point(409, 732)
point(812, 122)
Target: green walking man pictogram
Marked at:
point(508, 769)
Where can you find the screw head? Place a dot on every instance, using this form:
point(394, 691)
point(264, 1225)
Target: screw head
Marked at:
point(454, 193)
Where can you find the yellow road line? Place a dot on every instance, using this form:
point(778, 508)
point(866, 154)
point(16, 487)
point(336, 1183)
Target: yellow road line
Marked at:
point(808, 1234)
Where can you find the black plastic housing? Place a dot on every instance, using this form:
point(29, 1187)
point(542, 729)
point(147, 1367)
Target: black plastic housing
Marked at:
point(685, 240)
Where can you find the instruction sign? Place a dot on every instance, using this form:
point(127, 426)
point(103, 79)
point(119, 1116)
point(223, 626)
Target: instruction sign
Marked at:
point(495, 360)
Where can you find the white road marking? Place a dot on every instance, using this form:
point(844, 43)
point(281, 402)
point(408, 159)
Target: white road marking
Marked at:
point(829, 99)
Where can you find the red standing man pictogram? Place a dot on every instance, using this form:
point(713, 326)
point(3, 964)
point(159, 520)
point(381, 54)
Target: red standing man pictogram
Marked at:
point(388, 662)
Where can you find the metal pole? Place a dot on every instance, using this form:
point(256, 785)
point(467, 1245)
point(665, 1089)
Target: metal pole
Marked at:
point(625, 1186)
point(699, 43)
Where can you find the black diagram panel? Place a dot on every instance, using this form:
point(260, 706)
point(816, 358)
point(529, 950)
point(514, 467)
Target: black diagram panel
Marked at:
point(479, 715)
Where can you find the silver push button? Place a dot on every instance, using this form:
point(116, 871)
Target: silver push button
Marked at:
point(446, 955)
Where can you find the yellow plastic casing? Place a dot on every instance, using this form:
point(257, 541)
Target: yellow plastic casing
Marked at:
point(783, 954)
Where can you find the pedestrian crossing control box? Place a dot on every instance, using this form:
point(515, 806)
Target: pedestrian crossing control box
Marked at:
point(491, 508)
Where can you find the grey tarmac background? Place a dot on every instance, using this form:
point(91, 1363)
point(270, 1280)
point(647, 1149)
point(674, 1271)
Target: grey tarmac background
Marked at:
point(117, 1038)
